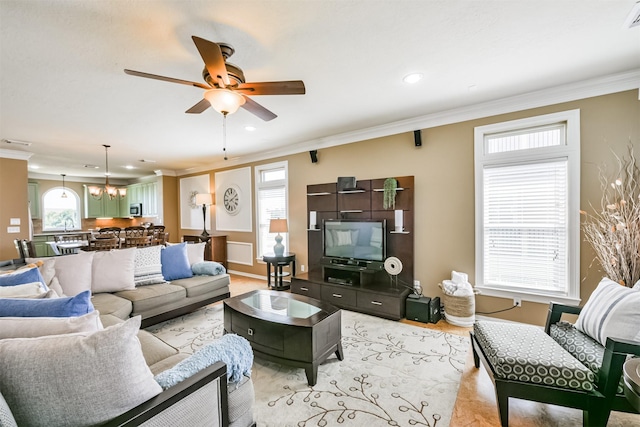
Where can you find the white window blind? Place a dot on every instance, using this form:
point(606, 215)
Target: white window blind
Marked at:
point(525, 225)
point(271, 202)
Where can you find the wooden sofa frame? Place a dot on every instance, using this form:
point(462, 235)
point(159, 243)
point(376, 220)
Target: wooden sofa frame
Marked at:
point(596, 405)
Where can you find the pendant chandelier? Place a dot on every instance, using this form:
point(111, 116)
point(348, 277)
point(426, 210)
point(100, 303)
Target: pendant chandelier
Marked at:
point(64, 193)
point(111, 191)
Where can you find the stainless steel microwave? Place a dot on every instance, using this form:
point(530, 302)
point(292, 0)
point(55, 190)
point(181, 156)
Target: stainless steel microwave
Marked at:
point(135, 209)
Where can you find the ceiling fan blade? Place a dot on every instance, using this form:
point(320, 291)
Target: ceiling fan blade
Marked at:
point(292, 87)
point(166, 79)
point(254, 108)
point(213, 60)
point(199, 107)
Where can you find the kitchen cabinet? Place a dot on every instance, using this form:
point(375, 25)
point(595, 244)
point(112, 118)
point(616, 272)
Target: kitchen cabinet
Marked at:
point(146, 194)
point(102, 208)
point(34, 199)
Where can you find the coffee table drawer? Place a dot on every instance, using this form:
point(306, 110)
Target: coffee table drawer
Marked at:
point(340, 296)
point(258, 331)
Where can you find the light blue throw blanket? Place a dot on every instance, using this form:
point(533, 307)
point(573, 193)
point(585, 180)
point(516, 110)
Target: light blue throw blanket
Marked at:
point(208, 268)
point(231, 349)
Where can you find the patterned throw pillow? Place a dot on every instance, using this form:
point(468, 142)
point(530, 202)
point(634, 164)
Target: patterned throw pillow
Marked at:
point(611, 311)
point(148, 266)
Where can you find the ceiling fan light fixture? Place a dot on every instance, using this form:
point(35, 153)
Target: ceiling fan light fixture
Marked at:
point(224, 101)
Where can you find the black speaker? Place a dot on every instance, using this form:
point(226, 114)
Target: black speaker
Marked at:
point(418, 308)
point(417, 138)
point(314, 156)
point(434, 310)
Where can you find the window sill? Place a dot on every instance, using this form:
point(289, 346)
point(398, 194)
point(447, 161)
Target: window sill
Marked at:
point(527, 296)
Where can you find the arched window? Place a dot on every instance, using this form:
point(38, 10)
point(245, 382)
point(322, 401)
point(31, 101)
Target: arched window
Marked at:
point(59, 212)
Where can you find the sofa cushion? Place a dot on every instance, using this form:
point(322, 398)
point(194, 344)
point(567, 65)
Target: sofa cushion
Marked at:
point(112, 271)
point(525, 353)
point(167, 363)
point(154, 349)
point(31, 327)
point(200, 285)
point(146, 298)
point(90, 378)
point(148, 266)
point(74, 272)
point(47, 307)
point(109, 304)
point(22, 276)
point(175, 264)
point(611, 311)
point(581, 346)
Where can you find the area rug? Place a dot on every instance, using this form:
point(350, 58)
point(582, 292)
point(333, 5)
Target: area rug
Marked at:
point(393, 374)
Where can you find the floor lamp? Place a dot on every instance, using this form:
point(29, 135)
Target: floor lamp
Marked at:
point(204, 199)
point(278, 226)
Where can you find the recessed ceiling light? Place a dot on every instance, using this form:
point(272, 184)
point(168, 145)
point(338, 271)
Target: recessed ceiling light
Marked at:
point(412, 78)
point(34, 166)
point(129, 167)
point(249, 128)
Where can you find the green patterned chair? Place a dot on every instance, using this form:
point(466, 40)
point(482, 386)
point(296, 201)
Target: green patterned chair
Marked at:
point(562, 365)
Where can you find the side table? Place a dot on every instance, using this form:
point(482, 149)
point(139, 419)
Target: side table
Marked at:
point(288, 258)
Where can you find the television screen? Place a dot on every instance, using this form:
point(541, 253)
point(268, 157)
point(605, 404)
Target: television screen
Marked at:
point(355, 239)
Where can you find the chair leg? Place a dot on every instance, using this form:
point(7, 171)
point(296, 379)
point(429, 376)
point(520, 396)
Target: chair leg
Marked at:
point(502, 399)
point(596, 417)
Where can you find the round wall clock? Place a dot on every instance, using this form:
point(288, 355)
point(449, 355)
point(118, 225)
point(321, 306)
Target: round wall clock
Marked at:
point(231, 200)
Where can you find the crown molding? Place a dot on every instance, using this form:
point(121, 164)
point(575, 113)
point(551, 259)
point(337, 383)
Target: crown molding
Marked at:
point(15, 154)
point(164, 172)
point(554, 95)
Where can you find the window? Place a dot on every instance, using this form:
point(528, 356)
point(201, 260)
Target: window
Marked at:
point(527, 215)
point(272, 202)
point(58, 212)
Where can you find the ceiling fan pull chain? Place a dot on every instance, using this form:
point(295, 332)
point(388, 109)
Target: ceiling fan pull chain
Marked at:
point(224, 134)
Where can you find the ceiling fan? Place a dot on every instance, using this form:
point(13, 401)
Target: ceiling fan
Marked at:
point(225, 86)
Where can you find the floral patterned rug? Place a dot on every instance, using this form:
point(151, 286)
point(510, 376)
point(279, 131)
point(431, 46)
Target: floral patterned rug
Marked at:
point(393, 374)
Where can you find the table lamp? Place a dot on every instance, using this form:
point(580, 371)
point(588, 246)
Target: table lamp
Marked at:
point(278, 226)
point(204, 199)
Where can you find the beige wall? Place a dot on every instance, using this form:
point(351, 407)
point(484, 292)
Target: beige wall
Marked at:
point(444, 189)
point(170, 206)
point(13, 204)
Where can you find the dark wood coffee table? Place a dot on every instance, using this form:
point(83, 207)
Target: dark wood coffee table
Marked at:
point(286, 328)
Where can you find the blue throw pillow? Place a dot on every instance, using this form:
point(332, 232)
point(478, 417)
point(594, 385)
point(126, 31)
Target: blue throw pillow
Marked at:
point(20, 277)
point(175, 264)
point(76, 306)
point(208, 268)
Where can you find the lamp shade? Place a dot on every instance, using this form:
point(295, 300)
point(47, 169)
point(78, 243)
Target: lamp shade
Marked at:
point(224, 101)
point(278, 226)
point(204, 199)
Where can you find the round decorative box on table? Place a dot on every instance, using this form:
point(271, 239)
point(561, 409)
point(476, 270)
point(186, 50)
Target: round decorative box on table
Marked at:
point(459, 310)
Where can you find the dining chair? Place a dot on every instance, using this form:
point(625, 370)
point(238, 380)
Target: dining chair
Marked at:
point(108, 232)
point(104, 244)
point(138, 242)
point(158, 234)
point(135, 231)
point(18, 245)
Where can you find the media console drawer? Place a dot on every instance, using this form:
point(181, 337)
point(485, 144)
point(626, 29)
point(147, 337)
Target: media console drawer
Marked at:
point(339, 295)
point(382, 304)
point(304, 287)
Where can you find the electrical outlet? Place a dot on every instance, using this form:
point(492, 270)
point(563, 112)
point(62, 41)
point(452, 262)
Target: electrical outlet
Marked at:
point(302, 268)
point(517, 301)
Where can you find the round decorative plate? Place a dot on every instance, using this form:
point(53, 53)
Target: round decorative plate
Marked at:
point(192, 199)
point(393, 265)
point(231, 200)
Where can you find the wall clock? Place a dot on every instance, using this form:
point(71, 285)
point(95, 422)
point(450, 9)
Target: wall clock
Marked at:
point(231, 200)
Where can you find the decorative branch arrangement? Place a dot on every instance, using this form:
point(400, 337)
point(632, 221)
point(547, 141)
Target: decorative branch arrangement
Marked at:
point(614, 230)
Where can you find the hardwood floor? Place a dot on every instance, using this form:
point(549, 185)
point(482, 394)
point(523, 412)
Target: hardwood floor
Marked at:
point(476, 403)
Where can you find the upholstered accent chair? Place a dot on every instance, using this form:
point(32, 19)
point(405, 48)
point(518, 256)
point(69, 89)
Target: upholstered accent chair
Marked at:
point(564, 364)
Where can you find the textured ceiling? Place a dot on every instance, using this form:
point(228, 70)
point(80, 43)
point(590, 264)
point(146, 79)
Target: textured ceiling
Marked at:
point(62, 85)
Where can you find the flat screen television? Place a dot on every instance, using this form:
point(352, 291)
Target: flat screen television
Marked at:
point(355, 239)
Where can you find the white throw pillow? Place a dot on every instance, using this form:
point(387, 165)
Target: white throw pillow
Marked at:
point(611, 311)
point(76, 379)
point(112, 271)
point(22, 291)
point(195, 252)
point(74, 272)
point(31, 327)
point(47, 269)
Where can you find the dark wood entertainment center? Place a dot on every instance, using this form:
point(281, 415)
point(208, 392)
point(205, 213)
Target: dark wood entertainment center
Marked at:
point(353, 284)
